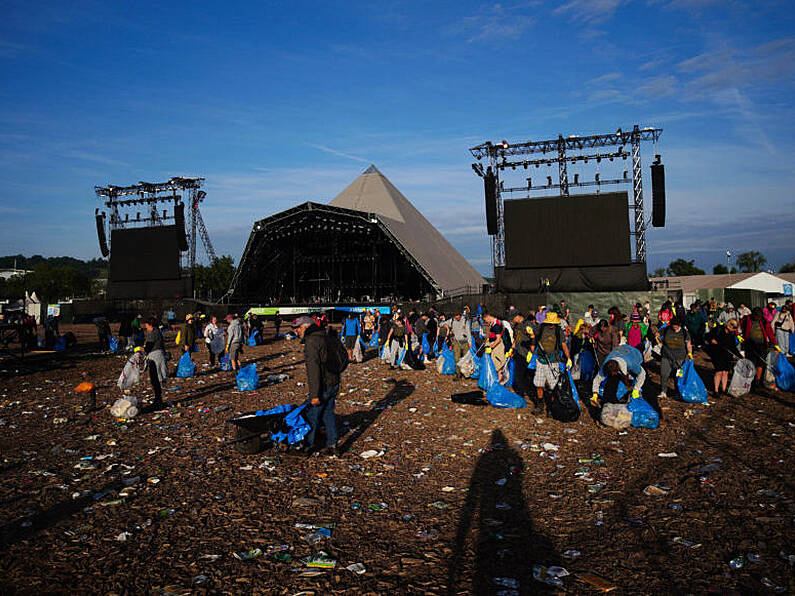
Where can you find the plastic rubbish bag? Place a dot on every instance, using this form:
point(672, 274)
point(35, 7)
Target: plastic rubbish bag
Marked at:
point(357, 352)
point(113, 343)
point(373, 341)
point(587, 365)
point(785, 374)
point(488, 374)
point(125, 407)
point(742, 377)
point(217, 343)
point(440, 365)
point(386, 353)
point(566, 404)
point(575, 367)
point(510, 368)
point(253, 339)
point(690, 385)
point(225, 363)
point(426, 347)
point(502, 397)
point(247, 378)
point(466, 365)
point(477, 364)
point(60, 344)
point(768, 376)
point(616, 415)
point(792, 344)
point(131, 373)
point(401, 355)
point(643, 415)
point(185, 368)
point(448, 361)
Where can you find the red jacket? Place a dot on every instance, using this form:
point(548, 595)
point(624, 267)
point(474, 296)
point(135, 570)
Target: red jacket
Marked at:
point(770, 337)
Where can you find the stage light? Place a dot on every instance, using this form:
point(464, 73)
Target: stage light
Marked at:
point(505, 144)
point(596, 176)
point(618, 132)
point(598, 159)
point(538, 165)
point(621, 149)
point(549, 180)
point(524, 165)
point(625, 174)
point(529, 182)
point(576, 178)
point(585, 159)
point(513, 166)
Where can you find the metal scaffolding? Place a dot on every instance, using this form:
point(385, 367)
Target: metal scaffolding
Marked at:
point(564, 151)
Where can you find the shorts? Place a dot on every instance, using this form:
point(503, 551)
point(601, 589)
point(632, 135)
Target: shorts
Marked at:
point(235, 349)
point(350, 342)
point(546, 375)
point(498, 356)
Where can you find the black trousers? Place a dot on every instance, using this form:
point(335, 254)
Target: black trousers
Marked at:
point(212, 356)
point(155, 380)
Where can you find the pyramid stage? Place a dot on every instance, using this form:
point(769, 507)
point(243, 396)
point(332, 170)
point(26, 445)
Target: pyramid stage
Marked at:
point(369, 245)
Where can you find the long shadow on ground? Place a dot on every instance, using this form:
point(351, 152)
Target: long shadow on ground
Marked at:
point(360, 421)
point(506, 544)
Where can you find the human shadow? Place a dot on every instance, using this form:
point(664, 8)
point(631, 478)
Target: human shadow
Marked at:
point(359, 422)
point(13, 531)
point(506, 544)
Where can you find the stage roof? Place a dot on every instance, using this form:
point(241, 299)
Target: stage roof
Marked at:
point(372, 192)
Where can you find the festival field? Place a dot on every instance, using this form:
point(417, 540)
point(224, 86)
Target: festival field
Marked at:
point(458, 499)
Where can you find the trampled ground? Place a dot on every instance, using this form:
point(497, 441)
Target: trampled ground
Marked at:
point(462, 494)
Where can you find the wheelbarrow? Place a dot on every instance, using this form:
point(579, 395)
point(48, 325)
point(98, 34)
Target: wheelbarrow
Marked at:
point(282, 425)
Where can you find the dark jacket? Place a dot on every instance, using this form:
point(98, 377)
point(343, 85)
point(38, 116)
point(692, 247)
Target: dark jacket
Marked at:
point(187, 335)
point(318, 377)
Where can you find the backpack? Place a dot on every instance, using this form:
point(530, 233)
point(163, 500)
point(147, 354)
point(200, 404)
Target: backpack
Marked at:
point(548, 339)
point(336, 354)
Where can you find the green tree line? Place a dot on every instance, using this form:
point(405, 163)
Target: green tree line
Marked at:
point(746, 262)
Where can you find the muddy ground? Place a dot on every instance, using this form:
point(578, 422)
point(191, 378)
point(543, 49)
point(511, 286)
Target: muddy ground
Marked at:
point(461, 496)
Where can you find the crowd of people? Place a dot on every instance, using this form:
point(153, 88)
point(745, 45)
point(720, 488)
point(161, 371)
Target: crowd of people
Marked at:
point(529, 349)
point(543, 340)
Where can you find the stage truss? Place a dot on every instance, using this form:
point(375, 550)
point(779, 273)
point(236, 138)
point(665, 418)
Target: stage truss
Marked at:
point(562, 152)
point(122, 201)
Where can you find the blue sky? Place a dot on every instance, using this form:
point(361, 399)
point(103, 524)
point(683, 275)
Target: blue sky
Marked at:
point(276, 103)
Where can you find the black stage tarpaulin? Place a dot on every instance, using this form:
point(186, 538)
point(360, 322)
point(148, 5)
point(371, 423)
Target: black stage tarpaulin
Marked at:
point(579, 231)
point(603, 278)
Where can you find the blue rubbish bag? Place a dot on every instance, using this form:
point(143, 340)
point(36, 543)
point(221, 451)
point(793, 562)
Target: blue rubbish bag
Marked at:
point(643, 415)
point(401, 356)
point(587, 365)
point(477, 362)
point(785, 374)
point(185, 368)
point(113, 343)
point(448, 362)
point(792, 344)
point(426, 347)
point(510, 368)
point(488, 374)
point(60, 344)
point(253, 339)
point(690, 385)
point(299, 428)
point(502, 397)
point(374, 340)
point(247, 378)
point(225, 362)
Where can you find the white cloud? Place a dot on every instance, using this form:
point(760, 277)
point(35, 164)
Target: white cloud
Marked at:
point(590, 11)
point(494, 23)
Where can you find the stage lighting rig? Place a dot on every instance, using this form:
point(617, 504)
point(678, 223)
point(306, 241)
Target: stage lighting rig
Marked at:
point(564, 151)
